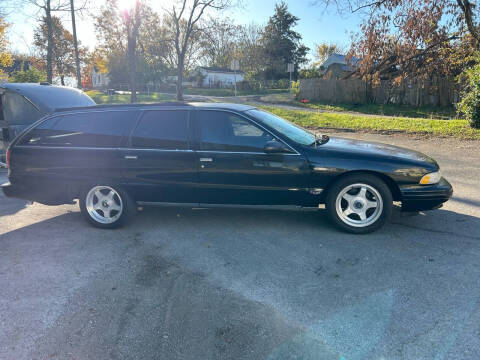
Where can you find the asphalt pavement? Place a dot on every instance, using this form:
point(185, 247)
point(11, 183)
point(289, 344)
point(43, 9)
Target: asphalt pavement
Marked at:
point(243, 284)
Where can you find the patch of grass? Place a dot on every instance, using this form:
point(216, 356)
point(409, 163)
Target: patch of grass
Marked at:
point(437, 127)
point(231, 92)
point(445, 113)
point(102, 98)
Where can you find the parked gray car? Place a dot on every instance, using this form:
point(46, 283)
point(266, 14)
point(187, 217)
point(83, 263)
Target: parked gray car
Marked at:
point(23, 104)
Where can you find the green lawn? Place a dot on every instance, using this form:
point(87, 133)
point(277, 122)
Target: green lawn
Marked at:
point(230, 92)
point(445, 113)
point(101, 98)
point(455, 128)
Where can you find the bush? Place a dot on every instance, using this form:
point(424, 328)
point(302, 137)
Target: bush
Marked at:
point(29, 76)
point(470, 107)
point(470, 103)
point(296, 88)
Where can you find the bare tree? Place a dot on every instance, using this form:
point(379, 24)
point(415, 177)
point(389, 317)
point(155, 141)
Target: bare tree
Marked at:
point(219, 41)
point(185, 16)
point(48, 7)
point(132, 18)
point(75, 45)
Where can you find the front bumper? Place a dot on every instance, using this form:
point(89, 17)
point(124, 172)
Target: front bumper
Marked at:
point(425, 197)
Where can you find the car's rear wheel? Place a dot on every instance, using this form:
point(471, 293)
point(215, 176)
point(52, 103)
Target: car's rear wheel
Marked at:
point(359, 203)
point(106, 206)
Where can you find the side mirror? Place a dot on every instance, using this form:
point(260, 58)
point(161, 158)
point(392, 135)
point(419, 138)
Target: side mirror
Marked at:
point(275, 147)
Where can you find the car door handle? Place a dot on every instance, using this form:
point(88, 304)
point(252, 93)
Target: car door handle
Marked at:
point(131, 157)
point(206, 159)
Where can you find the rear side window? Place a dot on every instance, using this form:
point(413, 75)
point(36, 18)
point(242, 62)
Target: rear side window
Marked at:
point(90, 129)
point(162, 129)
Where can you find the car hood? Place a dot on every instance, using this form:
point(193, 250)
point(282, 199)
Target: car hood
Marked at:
point(375, 150)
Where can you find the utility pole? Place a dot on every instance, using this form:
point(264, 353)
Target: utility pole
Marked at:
point(290, 69)
point(235, 65)
point(75, 45)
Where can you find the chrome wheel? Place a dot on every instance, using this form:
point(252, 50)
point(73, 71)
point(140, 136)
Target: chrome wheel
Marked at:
point(104, 204)
point(359, 205)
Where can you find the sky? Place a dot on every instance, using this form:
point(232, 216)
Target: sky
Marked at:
point(315, 25)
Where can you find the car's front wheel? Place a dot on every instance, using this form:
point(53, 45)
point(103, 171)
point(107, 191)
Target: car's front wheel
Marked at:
point(359, 203)
point(106, 206)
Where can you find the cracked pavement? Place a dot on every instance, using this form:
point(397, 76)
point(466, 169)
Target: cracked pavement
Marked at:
point(240, 284)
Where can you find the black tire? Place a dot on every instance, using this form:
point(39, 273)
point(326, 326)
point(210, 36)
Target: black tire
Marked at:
point(121, 197)
point(377, 217)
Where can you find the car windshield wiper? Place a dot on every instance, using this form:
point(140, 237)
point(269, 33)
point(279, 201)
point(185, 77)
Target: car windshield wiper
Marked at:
point(320, 140)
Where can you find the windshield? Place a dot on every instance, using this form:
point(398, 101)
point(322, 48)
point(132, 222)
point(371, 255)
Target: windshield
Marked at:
point(283, 126)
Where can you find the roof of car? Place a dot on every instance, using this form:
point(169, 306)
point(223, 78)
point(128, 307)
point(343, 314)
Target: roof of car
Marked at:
point(49, 97)
point(191, 105)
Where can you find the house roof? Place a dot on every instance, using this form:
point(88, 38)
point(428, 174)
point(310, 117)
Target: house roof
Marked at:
point(17, 65)
point(341, 59)
point(49, 97)
point(219, 69)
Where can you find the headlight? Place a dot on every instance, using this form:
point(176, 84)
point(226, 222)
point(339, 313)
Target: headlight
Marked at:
point(431, 178)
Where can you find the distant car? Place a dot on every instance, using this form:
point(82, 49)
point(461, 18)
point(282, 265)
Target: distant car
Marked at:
point(21, 104)
point(114, 157)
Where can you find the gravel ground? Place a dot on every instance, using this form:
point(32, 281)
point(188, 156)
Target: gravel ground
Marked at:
point(237, 284)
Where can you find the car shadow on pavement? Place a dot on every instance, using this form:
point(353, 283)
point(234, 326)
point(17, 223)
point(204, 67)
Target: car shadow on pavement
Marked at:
point(11, 206)
point(302, 278)
point(440, 221)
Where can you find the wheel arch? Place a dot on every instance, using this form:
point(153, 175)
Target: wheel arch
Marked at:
point(394, 189)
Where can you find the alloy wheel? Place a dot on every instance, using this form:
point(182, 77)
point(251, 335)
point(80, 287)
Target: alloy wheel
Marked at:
point(359, 205)
point(104, 204)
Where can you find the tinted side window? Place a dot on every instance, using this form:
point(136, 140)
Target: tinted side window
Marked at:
point(90, 129)
point(18, 110)
point(162, 129)
point(224, 131)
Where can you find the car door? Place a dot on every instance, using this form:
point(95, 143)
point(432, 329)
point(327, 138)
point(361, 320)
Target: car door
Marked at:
point(159, 165)
point(234, 168)
point(76, 148)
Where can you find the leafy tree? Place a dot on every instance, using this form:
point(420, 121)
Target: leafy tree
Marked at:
point(470, 103)
point(281, 44)
point(31, 75)
point(5, 56)
point(310, 73)
point(63, 53)
point(119, 32)
point(153, 51)
point(411, 38)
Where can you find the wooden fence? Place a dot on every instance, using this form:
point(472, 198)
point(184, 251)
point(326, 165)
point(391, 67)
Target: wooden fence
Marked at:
point(437, 92)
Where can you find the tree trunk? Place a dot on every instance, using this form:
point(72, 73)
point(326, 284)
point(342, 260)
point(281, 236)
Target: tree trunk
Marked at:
point(48, 17)
point(75, 46)
point(62, 80)
point(181, 62)
point(131, 68)
point(467, 8)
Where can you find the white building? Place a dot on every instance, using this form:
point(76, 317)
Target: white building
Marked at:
point(340, 61)
point(218, 77)
point(99, 80)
